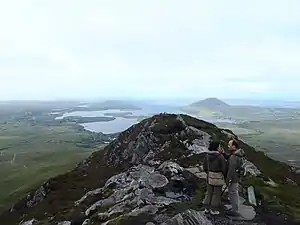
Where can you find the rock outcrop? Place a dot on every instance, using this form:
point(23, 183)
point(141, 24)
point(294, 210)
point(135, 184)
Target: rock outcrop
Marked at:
point(152, 174)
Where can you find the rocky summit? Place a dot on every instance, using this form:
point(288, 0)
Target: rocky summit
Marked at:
point(152, 174)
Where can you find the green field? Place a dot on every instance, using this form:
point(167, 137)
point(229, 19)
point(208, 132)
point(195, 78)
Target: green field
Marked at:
point(32, 152)
point(278, 138)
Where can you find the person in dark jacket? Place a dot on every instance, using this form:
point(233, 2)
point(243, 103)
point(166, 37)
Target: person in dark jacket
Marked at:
point(216, 168)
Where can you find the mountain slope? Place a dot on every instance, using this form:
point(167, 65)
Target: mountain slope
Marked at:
point(152, 173)
point(208, 107)
point(210, 103)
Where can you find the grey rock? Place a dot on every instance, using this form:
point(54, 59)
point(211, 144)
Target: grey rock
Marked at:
point(132, 189)
point(90, 193)
point(119, 208)
point(161, 218)
point(64, 223)
point(153, 162)
point(251, 168)
point(196, 147)
point(37, 197)
point(247, 213)
point(197, 172)
point(271, 183)
point(117, 180)
point(116, 197)
point(175, 195)
point(149, 209)
point(171, 168)
point(29, 222)
point(86, 222)
point(290, 181)
point(162, 201)
point(251, 196)
point(179, 117)
point(103, 216)
point(157, 181)
point(139, 148)
point(189, 217)
point(150, 223)
point(144, 193)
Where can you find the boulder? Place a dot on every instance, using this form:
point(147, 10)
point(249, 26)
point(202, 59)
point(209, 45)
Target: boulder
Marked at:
point(64, 223)
point(36, 197)
point(29, 222)
point(189, 217)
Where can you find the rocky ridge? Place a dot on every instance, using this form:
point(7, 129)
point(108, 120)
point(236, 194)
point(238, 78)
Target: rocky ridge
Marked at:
point(152, 174)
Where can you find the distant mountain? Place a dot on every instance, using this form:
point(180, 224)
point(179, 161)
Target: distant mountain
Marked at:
point(210, 103)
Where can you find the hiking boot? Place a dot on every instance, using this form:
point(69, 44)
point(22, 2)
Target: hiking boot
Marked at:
point(232, 213)
point(214, 212)
point(206, 211)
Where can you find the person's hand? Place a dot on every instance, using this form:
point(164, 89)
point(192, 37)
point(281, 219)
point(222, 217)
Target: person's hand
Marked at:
point(221, 150)
point(228, 182)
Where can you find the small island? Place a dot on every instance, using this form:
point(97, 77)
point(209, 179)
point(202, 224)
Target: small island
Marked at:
point(118, 114)
point(79, 119)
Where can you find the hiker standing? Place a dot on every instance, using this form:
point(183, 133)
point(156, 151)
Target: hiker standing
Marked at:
point(233, 175)
point(215, 167)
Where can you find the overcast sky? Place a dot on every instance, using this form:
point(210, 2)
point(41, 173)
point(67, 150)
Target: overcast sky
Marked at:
point(158, 48)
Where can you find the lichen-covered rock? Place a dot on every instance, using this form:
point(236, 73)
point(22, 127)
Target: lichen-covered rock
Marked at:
point(36, 197)
point(64, 223)
point(90, 193)
point(149, 209)
point(189, 217)
point(197, 172)
point(86, 222)
point(252, 169)
point(29, 222)
point(170, 168)
point(129, 190)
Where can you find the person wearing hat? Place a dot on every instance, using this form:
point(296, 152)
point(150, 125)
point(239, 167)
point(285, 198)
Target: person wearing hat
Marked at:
point(215, 167)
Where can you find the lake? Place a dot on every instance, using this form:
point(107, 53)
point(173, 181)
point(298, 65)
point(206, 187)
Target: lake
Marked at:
point(120, 124)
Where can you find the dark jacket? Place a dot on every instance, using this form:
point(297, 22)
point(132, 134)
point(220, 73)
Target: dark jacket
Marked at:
point(233, 162)
point(215, 162)
point(226, 155)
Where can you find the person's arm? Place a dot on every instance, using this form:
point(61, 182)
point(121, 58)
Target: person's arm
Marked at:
point(231, 168)
point(226, 156)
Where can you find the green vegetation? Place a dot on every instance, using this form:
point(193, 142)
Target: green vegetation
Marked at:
point(34, 147)
point(279, 139)
point(284, 197)
point(33, 154)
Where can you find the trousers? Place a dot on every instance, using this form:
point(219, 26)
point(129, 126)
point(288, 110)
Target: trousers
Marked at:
point(233, 191)
point(213, 196)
